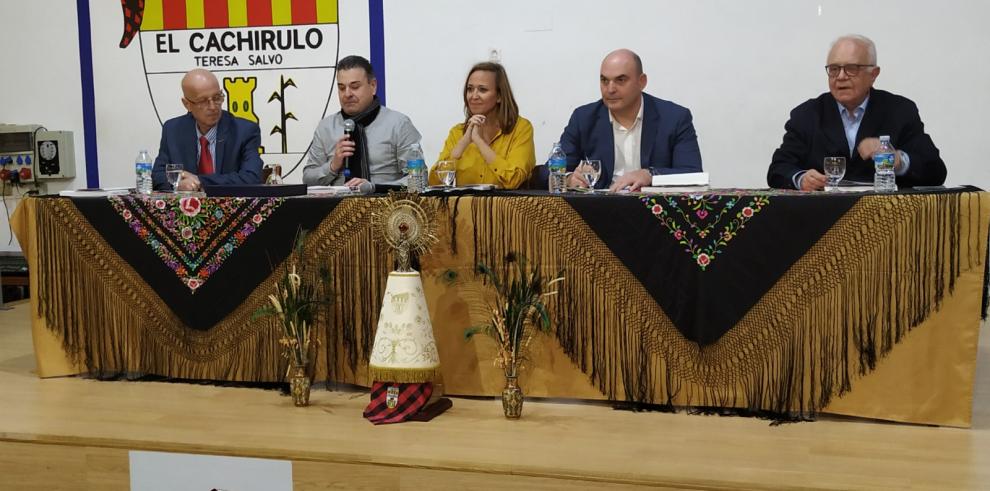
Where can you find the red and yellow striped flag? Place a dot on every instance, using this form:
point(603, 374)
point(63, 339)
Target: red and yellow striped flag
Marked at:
point(165, 15)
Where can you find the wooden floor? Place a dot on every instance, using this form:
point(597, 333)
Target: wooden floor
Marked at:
point(71, 433)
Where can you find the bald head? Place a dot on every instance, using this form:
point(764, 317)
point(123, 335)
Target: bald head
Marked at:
point(198, 80)
point(202, 97)
point(622, 57)
point(622, 82)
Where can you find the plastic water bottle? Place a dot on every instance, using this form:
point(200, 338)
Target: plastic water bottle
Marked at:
point(142, 169)
point(884, 180)
point(557, 165)
point(416, 167)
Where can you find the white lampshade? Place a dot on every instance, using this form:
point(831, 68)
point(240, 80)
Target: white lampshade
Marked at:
point(404, 350)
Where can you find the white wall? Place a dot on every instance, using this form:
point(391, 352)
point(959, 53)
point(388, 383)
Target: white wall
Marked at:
point(39, 57)
point(740, 66)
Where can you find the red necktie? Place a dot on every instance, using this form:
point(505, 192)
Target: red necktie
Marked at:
point(205, 159)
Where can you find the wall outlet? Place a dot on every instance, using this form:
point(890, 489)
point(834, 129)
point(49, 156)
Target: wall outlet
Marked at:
point(6, 189)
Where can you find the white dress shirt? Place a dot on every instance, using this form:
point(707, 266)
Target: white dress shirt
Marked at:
point(627, 144)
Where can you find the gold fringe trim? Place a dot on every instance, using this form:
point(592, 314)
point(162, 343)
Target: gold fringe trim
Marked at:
point(359, 266)
point(824, 323)
point(113, 323)
point(403, 375)
point(820, 327)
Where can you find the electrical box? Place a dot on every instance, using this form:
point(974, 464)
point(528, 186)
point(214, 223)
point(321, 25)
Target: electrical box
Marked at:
point(56, 155)
point(29, 152)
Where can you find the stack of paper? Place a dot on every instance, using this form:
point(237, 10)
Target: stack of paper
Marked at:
point(848, 186)
point(329, 190)
point(688, 179)
point(678, 183)
point(93, 192)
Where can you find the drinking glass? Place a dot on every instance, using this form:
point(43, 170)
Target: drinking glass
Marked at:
point(835, 169)
point(173, 172)
point(590, 170)
point(447, 172)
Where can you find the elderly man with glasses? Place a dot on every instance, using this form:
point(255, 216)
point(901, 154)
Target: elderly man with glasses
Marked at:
point(847, 121)
point(213, 147)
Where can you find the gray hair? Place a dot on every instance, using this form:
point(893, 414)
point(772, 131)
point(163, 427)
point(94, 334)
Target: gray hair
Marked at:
point(871, 49)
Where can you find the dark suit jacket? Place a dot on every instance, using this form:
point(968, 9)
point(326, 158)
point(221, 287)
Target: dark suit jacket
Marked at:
point(236, 161)
point(815, 131)
point(669, 144)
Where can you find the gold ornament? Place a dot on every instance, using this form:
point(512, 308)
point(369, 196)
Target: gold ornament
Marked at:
point(407, 223)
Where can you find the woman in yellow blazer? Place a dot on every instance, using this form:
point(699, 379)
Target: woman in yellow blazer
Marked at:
point(494, 145)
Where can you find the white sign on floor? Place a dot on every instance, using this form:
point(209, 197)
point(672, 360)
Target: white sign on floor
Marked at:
point(160, 471)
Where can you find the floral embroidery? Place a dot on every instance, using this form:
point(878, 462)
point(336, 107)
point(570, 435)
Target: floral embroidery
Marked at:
point(691, 219)
point(190, 206)
point(194, 236)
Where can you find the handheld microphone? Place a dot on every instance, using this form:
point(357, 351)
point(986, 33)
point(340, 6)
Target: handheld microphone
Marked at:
point(348, 129)
point(366, 187)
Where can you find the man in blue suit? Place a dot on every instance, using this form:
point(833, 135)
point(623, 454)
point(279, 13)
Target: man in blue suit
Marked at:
point(213, 146)
point(633, 134)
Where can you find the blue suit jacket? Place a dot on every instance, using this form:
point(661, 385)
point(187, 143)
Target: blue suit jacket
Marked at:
point(669, 144)
point(236, 161)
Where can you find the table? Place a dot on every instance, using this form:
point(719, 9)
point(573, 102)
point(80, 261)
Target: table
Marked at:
point(777, 304)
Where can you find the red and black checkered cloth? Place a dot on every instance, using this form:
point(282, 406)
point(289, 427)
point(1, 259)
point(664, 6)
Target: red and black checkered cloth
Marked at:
point(405, 400)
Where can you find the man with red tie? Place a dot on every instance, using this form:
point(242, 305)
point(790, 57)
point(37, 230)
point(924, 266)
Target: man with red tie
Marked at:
point(213, 146)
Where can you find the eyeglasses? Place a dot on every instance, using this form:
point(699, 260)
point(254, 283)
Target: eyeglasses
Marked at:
point(217, 99)
point(851, 70)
